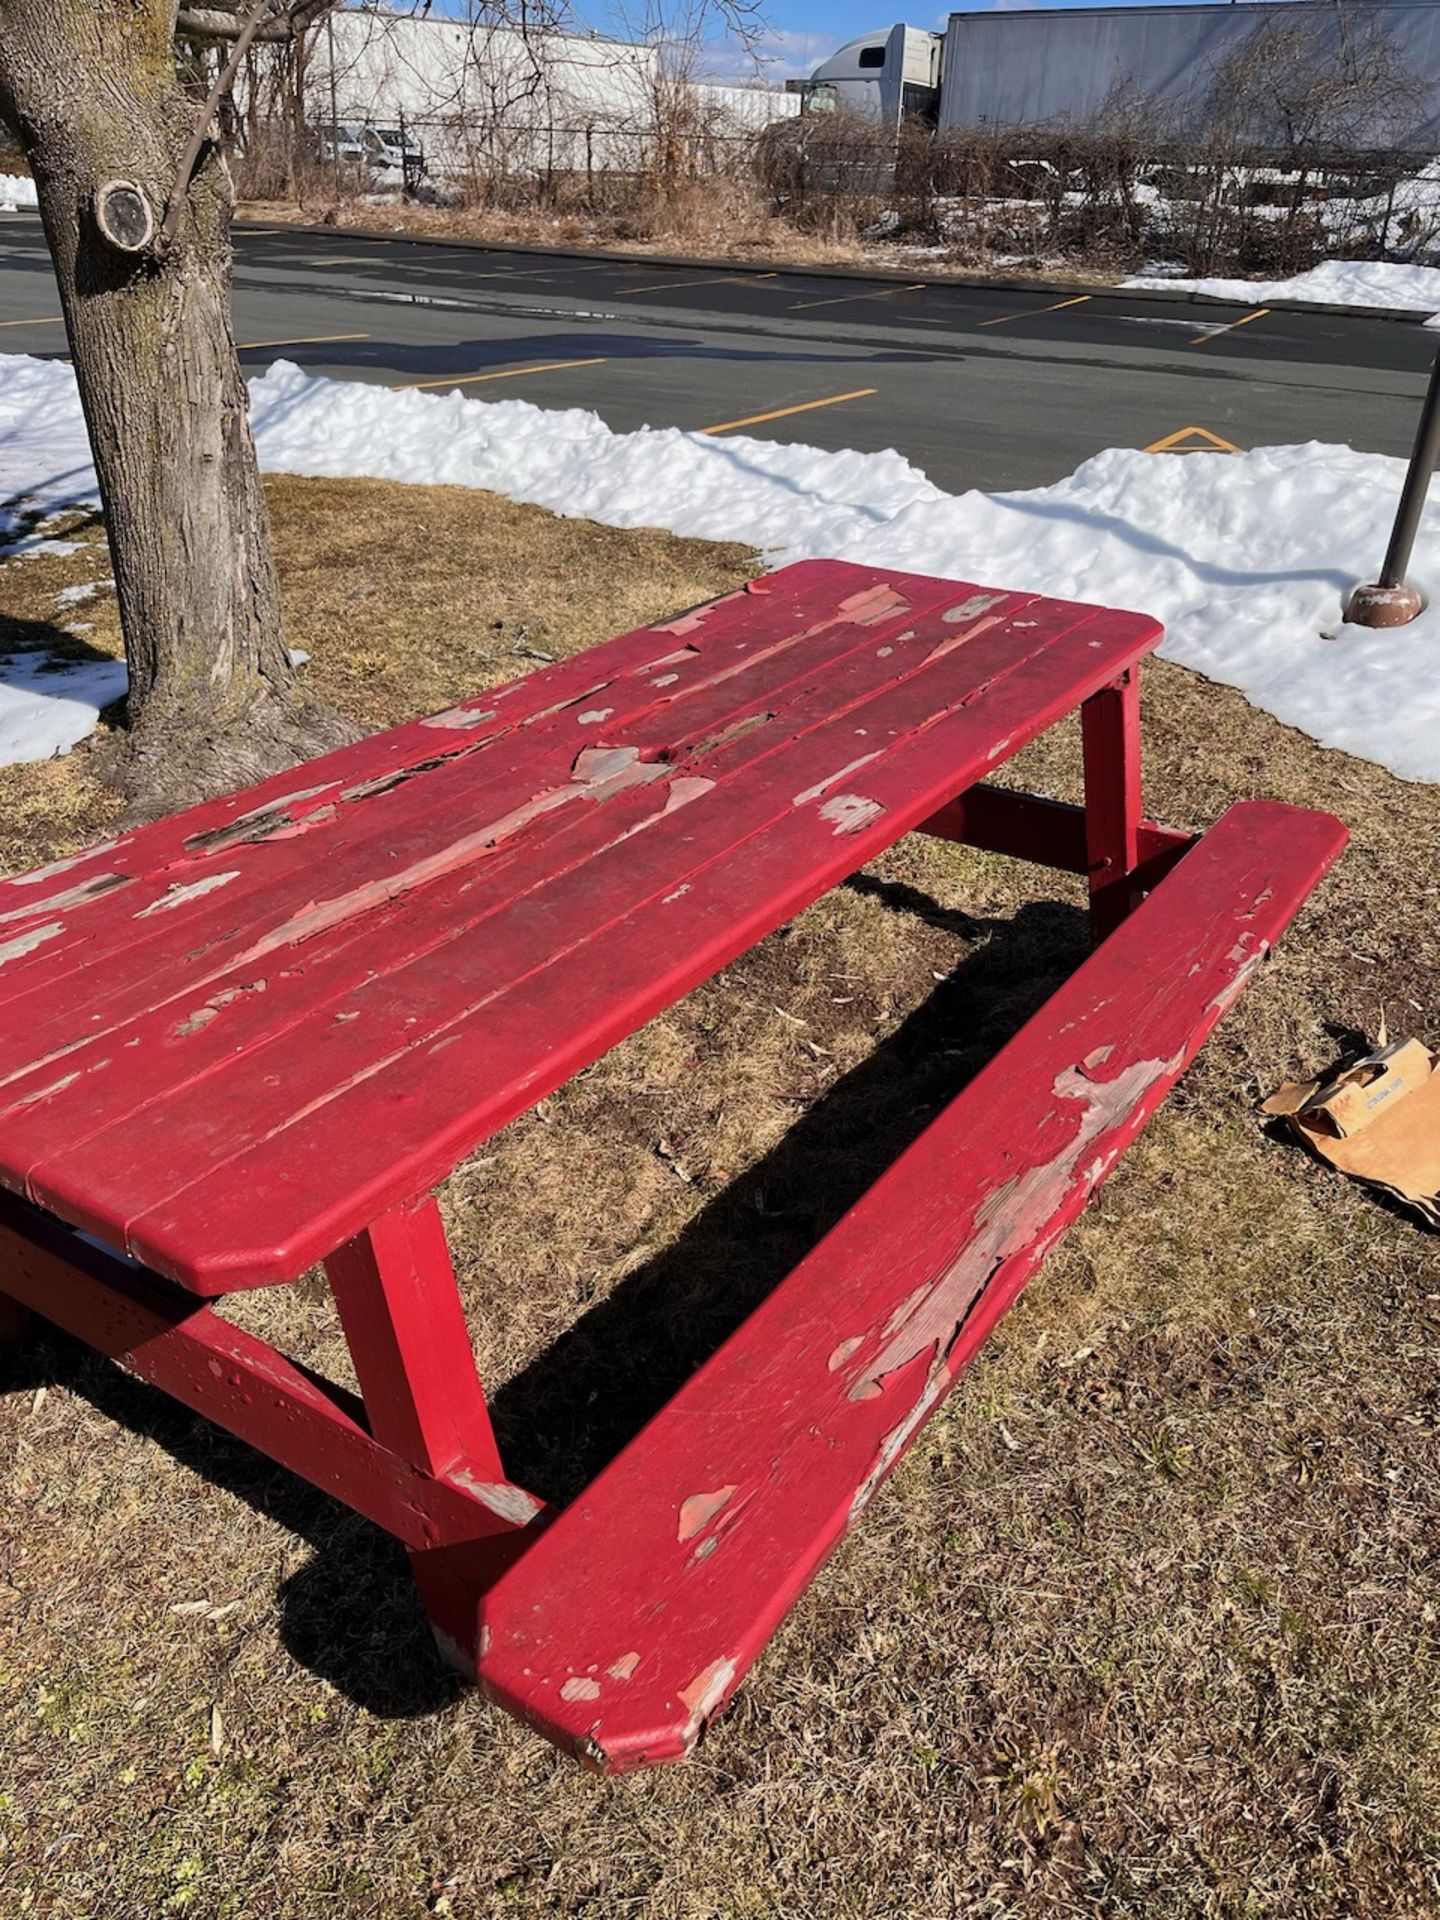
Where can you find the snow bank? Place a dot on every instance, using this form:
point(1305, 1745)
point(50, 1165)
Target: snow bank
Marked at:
point(1246, 558)
point(48, 707)
point(16, 191)
point(1337, 283)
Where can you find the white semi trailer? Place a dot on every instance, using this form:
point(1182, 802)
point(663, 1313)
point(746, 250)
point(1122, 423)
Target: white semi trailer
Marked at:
point(1040, 68)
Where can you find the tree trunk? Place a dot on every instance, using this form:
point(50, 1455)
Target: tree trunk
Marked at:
point(90, 88)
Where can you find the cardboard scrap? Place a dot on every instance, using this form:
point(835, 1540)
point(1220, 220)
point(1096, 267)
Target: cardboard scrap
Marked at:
point(1376, 1119)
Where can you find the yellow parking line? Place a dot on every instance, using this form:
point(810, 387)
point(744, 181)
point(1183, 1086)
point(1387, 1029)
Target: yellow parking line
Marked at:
point(706, 280)
point(1202, 339)
point(45, 320)
point(1205, 442)
point(506, 373)
point(779, 413)
point(1078, 300)
point(917, 287)
point(301, 340)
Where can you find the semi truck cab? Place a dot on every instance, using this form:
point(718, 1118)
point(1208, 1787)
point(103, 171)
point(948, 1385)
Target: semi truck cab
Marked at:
point(889, 75)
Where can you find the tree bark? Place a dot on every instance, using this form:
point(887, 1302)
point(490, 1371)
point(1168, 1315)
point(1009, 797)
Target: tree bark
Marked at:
point(90, 89)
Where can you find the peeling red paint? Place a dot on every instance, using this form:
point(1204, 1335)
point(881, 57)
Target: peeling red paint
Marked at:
point(24, 943)
point(850, 812)
point(456, 719)
point(183, 892)
point(978, 603)
point(873, 606)
point(700, 1509)
point(705, 1692)
point(963, 638)
point(833, 779)
point(1006, 1220)
point(76, 896)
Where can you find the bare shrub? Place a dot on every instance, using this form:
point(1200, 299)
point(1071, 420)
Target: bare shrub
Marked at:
point(1290, 115)
point(827, 173)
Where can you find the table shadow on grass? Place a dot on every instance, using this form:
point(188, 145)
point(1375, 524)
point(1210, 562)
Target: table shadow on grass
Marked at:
point(350, 1614)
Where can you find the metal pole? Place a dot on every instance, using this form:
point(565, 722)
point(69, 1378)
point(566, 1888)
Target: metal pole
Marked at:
point(1388, 602)
point(1417, 485)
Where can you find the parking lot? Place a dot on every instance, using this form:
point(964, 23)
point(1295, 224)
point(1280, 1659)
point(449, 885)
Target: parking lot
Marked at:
point(993, 387)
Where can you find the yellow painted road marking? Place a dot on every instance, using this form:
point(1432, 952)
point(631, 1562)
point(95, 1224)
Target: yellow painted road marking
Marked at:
point(45, 320)
point(301, 340)
point(506, 373)
point(1078, 300)
point(706, 280)
point(1171, 442)
point(779, 413)
point(917, 287)
point(344, 260)
point(1203, 339)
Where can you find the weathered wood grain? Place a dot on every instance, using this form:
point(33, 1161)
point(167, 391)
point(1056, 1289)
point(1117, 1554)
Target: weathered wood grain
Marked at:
point(331, 990)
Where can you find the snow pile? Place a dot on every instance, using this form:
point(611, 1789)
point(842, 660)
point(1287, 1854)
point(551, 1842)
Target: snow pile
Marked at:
point(1334, 283)
point(16, 191)
point(1246, 558)
point(48, 706)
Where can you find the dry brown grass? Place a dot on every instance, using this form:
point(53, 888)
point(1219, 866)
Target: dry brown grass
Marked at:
point(713, 222)
point(1146, 1625)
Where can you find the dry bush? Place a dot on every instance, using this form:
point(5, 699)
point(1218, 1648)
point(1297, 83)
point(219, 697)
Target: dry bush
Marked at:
point(273, 165)
point(678, 171)
point(827, 173)
point(1291, 116)
point(1302, 156)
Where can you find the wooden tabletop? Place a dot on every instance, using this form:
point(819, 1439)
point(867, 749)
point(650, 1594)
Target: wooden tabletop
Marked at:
point(228, 1041)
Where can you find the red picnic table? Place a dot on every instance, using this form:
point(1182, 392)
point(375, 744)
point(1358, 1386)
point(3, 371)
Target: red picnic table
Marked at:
point(258, 1034)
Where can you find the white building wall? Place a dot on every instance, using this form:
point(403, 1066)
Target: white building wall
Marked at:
point(746, 107)
point(491, 96)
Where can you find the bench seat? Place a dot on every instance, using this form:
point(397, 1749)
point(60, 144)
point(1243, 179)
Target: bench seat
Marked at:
point(633, 1617)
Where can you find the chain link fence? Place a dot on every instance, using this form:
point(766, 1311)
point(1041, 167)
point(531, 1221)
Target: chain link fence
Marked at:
point(1111, 196)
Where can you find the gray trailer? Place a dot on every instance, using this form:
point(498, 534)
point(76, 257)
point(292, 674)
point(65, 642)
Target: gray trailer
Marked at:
point(1043, 68)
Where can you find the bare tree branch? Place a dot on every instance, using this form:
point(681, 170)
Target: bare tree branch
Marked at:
point(226, 20)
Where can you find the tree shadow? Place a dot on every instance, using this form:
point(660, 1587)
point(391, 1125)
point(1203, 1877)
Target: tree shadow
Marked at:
point(1094, 523)
point(41, 664)
point(350, 1613)
point(469, 359)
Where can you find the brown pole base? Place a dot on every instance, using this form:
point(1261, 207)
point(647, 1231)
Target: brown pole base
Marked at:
point(1383, 607)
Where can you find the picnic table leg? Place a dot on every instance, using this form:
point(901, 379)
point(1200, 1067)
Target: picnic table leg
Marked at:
point(14, 1323)
point(1110, 742)
point(395, 1291)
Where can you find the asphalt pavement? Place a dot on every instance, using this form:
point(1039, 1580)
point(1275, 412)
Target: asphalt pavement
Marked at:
point(993, 387)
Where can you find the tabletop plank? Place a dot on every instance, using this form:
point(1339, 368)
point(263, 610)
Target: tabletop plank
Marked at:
point(218, 942)
point(378, 989)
